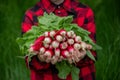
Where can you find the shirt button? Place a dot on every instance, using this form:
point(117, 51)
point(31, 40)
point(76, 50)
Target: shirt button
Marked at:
point(59, 12)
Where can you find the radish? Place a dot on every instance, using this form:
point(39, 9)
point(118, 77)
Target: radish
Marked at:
point(83, 45)
point(59, 38)
point(55, 44)
point(39, 39)
point(57, 52)
point(48, 53)
point(78, 39)
point(70, 41)
point(64, 39)
point(89, 46)
point(37, 46)
point(65, 53)
point(74, 36)
point(70, 33)
point(52, 33)
point(50, 47)
point(42, 50)
point(46, 45)
point(63, 32)
point(47, 40)
point(70, 49)
point(77, 46)
point(38, 43)
point(63, 45)
point(46, 33)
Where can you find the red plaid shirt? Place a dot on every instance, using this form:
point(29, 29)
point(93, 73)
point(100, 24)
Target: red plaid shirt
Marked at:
point(83, 16)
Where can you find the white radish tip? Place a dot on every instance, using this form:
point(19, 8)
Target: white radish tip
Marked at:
point(63, 33)
point(52, 33)
point(47, 53)
point(69, 34)
point(67, 54)
point(77, 46)
point(46, 34)
point(46, 45)
point(63, 45)
point(83, 45)
point(72, 32)
point(57, 52)
point(59, 38)
point(78, 39)
point(89, 46)
point(47, 40)
point(42, 50)
point(70, 41)
point(55, 44)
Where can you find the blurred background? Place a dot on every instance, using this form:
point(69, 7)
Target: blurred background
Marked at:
point(108, 36)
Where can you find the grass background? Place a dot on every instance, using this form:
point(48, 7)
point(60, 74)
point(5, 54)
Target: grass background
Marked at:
point(108, 36)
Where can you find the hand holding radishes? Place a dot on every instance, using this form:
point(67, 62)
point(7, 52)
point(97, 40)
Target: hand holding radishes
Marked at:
point(59, 42)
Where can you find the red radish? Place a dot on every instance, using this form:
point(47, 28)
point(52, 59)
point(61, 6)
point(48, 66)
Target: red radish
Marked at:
point(70, 41)
point(37, 46)
point(48, 53)
point(83, 45)
point(47, 40)
point(70, 33)
point(46, 33)
point(77, 46)
point(63, 45)
point(55, 44)
point(50, 47)
point(42, 50)
point(52, 33)
point(39, 39)
point(70, 49)
point(58, 38)
point(64, 39)
point(74, 36)
point(78, 39)
point(63, 32)
point(46, 45)
point(57, 52)
point(65, 53)
point(89, 46)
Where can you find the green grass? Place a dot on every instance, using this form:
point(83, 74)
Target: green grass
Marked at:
point(108, 36)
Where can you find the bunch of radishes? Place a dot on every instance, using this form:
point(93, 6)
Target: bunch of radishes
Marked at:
point(60, 45)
